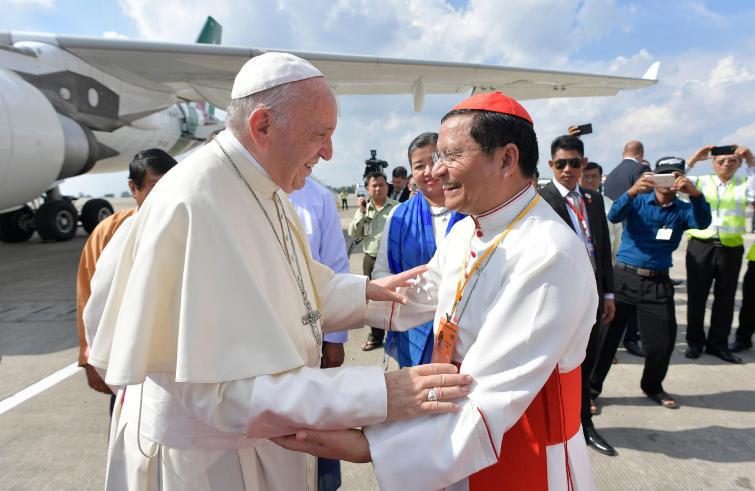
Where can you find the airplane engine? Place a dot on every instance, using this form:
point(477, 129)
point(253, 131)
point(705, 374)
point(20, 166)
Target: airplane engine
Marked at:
point(38, 146)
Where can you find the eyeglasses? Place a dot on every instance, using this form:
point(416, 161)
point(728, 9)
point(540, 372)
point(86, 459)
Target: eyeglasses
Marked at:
point(575, 163)
point(446, 156)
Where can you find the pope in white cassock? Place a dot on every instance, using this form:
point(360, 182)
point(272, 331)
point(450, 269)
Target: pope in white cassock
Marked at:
point(513, 298)
point(212, 327)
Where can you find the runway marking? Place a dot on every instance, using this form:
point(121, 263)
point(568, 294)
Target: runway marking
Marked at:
point(36, 388)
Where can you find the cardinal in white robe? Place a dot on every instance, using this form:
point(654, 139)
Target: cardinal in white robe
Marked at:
point(513, 298)
point(214, 319)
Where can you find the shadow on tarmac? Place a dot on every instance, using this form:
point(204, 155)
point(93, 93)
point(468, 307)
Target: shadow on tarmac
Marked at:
point(733, 400)
point(710, 443)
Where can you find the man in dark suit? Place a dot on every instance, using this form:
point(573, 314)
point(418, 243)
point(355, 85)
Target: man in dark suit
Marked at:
point(631, 168)
point(398, 189)
point(584, 212)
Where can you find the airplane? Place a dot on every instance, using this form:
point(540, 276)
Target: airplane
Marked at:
point(70, 105)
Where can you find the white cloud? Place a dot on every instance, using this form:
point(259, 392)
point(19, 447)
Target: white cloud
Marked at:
point(703, 96)
point(113, 35)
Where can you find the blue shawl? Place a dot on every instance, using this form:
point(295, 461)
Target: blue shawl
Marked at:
point(411, 242)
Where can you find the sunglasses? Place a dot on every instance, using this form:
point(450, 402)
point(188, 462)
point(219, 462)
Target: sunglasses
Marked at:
point(575, 163)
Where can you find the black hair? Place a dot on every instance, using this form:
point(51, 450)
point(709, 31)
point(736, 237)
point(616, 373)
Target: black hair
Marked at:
point(421, 141)
point(568, 142)
point(594, 165)
point(154, 159)
point(493, 129)
point(400, 171)
point(536, 173)
point(374, 175)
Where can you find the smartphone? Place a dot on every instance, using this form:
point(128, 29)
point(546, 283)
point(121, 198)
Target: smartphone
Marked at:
point(585, 129)
point(723, 150)
point(663, 180)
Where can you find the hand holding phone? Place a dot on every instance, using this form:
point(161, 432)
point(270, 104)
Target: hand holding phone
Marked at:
point(723, 150)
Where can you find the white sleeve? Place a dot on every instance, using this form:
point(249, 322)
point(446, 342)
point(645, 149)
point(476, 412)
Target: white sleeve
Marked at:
point(542, 320)
point(102, 279)
point(382, 268)
point(275, 405)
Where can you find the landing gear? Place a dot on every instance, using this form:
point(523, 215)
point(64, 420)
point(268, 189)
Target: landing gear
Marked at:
point(57, 220)
point(93, 212)
point(17, 225)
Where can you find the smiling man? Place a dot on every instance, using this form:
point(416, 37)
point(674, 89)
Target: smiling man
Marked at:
point(216, 312)
point(512, 297)
point(410, 238)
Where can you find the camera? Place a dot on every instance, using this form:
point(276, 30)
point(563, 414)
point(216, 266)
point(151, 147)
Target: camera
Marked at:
point(373, 164)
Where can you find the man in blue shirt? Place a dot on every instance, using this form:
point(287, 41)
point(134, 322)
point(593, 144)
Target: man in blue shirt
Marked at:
point(653, 227)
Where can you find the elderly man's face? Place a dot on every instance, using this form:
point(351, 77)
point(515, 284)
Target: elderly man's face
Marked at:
point(468, 174)
point(296, 149)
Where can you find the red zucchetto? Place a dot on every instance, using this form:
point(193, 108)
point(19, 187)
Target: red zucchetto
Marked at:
point(496, 102)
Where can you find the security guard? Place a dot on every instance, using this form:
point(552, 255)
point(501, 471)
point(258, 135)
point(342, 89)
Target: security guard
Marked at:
point(715, 254)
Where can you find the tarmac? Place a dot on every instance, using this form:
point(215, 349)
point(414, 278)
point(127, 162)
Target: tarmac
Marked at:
point(57, 438)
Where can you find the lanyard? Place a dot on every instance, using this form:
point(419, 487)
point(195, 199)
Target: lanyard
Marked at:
point(580, 215)
point(465, 277)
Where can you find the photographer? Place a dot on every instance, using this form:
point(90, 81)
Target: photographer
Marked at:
point(654, 220)
point(367, 225)
point(373, 165)
point(715, 254)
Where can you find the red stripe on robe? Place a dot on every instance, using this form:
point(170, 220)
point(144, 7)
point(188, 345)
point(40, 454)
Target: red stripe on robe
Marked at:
point(552, 418)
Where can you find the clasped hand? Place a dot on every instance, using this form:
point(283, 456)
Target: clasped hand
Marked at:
point(407, 391)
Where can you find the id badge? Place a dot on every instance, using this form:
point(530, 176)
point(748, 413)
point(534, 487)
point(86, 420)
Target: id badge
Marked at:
point(445, 341)
point(664, 234)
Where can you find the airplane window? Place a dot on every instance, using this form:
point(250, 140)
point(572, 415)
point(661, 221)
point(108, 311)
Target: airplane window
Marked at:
point(65, 93)
point(93, 96)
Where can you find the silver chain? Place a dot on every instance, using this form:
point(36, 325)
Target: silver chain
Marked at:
point(311, 315)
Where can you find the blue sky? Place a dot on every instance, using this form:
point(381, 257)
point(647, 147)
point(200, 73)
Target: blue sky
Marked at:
point(706, 91)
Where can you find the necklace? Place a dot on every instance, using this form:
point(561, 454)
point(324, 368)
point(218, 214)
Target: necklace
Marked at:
point(439, 213)
point(312, 316)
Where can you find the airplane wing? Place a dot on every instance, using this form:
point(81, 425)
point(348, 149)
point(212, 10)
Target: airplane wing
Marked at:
point(206, 72)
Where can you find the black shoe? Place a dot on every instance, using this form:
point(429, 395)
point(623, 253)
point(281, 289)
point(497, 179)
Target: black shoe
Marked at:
point(738, 346)
point(593, 439)
point(677, 282)
point(693, 352)
point(634, 348)
point(725, 355)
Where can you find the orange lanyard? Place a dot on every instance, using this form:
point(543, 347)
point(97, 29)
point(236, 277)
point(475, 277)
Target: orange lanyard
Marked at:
point(465, 277)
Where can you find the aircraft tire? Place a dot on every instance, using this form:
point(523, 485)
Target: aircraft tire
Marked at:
point(57, 220)
point(17, 225)
point(93, 212)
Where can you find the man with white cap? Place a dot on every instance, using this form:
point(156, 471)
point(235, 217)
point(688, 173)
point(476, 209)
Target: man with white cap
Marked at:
point(514, 298)
point(216, 312)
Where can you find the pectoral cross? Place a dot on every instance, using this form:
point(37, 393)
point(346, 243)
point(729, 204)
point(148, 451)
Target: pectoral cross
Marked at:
point(311, 318)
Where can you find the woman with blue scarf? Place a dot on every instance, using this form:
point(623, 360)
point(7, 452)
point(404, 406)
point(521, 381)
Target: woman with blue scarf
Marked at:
point(410, 238)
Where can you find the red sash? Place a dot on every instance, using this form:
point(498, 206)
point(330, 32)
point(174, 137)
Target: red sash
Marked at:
point(552, 418)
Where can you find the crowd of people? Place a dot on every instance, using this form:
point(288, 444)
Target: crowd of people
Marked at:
point(218, 327)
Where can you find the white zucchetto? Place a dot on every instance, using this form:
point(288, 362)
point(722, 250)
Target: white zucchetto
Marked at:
point(271, 70)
